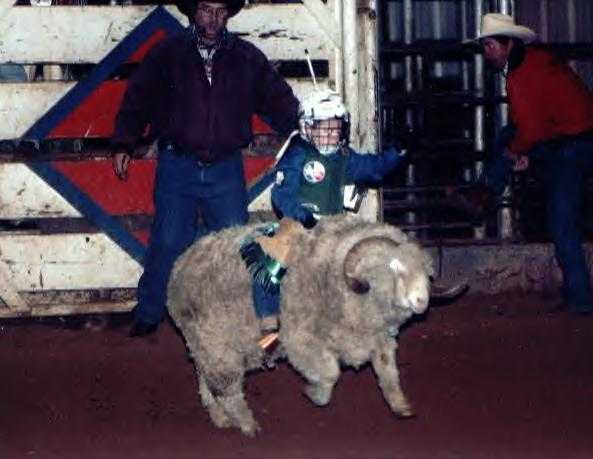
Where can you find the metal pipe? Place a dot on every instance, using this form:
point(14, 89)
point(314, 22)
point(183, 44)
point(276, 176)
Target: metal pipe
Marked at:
point(408, 37)
point(338, 59)
point(411, 181)
point(408, 15)
point(437, 28)
point(479, 109)
point(463, 12)
point(370, 55)
point(505, 214)
point(393, 33)
point(350, 48)
point(543, 25)
point(464, 36)
point(370, 135)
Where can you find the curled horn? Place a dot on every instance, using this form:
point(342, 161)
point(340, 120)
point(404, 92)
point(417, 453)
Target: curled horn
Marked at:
point(353, 257)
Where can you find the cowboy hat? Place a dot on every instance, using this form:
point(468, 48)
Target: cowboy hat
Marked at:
point(188, 7)
point(497, 24)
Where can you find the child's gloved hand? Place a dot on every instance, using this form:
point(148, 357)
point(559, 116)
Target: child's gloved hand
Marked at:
point(309, 220)
point(393, 156)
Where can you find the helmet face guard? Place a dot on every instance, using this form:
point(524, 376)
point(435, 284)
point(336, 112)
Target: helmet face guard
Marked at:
point(324, 121)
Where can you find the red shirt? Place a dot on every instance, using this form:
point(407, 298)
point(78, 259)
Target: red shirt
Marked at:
point(547, 100)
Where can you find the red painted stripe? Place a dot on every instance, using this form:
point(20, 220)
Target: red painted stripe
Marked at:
point(145, 47)
point(134, 196)
point(256, 167)
point(95, 117)
point(115, 197)
point(259, 126)
point(143, 236)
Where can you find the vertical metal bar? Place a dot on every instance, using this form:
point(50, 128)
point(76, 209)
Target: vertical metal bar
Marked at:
point(479, 232)
point(505, 214)
point(544, 29)
point(394, 34)
point(408, 75)
point(464, 35)
point(350, 48)
point(369, 111)
point(571, 17)
point(437, 28)
point(338, 61)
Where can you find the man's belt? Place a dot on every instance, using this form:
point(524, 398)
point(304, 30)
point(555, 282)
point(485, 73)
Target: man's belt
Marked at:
point(200, 155)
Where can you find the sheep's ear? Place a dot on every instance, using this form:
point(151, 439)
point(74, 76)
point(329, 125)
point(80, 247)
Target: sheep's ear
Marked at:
point(397, 266)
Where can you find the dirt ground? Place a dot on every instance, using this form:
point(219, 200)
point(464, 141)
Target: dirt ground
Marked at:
point(489, 377)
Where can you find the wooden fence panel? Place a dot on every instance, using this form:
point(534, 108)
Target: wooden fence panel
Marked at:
point(83, 190)
point(33, 35)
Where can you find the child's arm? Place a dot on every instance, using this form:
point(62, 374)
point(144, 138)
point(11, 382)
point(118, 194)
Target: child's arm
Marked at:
point(285, 200)
point(372, 168)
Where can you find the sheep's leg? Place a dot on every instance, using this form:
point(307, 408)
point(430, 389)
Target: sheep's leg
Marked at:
point(215, 409)
point(385, 366)
point(231, 400)
point(317, 365)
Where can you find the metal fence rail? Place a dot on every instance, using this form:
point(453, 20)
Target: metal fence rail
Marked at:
point(440, 104)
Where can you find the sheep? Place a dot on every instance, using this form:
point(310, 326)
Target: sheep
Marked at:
point(351, 285)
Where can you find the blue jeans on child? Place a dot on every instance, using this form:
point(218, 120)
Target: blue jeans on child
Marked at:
point(266, 303)
point(565, 164)
point(185, 188)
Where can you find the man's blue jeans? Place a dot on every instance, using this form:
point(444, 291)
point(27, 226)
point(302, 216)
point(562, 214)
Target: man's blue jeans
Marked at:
point(185, 189)
point(565, 165)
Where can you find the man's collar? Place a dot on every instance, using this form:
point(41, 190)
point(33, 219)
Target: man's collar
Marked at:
point(225, 41)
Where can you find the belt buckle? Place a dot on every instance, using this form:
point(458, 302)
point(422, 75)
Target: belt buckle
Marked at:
point(204, 164)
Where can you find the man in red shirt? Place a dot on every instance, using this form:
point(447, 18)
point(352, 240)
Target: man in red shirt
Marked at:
point(551, 111)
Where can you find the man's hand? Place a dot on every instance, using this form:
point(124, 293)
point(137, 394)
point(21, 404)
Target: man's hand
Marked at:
point(121, 161)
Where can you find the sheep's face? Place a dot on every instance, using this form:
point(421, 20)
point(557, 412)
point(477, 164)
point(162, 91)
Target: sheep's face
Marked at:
point(395, 274)
point(412, 286)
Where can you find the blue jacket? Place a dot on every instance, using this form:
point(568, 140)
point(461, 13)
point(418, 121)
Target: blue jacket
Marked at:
point(291, 175)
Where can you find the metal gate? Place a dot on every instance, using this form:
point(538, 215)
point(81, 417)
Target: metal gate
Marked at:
point(438, 100)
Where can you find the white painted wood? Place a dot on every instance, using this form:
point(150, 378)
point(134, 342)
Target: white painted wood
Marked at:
point(324, 17)
point(351, 71)
point(263, 202)
point(66, 261)
point(24, 195)
point(67, 309)
point(368, 106)
point(336, 69)
point(87, 34)
point(25, 103)
point(8, 294)
point(5, 6)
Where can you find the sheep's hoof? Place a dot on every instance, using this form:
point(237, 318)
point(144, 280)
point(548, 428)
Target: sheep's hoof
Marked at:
point(406, 414)
point(219, 417)
point(403, 410)
point(318, 394)
point(400, 406)
point(251, 429)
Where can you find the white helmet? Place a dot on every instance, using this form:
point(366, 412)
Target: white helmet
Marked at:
point(323, 104)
